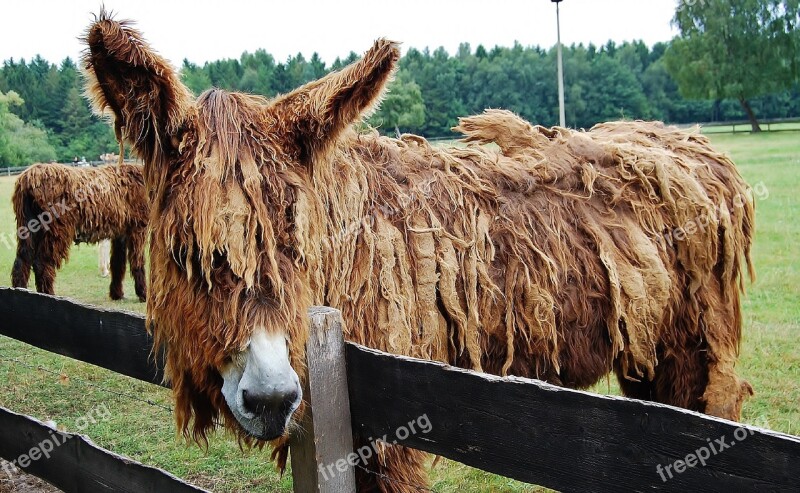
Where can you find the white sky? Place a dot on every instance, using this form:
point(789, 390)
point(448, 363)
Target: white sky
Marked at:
point(206, 30)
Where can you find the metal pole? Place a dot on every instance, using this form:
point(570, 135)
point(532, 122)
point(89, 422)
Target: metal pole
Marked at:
point(561, 113)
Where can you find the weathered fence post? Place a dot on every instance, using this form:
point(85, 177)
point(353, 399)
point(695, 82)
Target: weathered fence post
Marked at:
point(321, 451)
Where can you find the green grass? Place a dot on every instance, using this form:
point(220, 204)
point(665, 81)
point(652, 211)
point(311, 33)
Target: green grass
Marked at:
point(770, 358)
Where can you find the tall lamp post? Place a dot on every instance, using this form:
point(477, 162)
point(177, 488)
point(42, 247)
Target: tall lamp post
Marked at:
point(561, 113)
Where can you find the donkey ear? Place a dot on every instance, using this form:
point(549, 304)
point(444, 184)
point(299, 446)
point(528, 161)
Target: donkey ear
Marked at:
point(315, 114)
point(148, 101)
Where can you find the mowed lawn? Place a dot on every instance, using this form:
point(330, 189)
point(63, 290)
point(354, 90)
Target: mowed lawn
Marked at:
point(145, 431)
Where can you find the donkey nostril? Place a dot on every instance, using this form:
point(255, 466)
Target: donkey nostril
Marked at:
point(245, 401)
point(251, 403)
point(288, 403)
point(259, 403)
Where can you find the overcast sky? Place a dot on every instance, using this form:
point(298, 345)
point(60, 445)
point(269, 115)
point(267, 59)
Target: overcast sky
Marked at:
point(206, 30)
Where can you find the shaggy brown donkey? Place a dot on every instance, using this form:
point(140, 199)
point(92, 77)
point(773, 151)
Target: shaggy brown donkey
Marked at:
point(56, 205)
point(557, 254)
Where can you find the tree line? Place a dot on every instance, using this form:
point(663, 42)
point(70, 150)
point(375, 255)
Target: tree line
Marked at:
point(43, 114)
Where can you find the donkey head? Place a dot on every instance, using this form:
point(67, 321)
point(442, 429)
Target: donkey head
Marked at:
point(230, 178)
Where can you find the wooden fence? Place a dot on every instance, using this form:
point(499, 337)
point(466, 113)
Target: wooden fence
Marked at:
point(73, 463)
point(524, 429)
point(744, 126)
point(9, 171)
point(15, 170)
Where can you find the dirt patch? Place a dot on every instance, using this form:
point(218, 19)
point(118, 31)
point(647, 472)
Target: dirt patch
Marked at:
point(19, 482)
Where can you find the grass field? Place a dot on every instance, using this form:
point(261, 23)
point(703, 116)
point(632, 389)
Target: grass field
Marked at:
point(770, 357)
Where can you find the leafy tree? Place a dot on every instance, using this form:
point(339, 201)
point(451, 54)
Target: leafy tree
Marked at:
point(339, 63)
point(259, 69)
point(438, 78)
point(600, 87)
point(76, 116)
point(735, 49)
point(195, 78)
point(433, 88)
point(316, 68)
point(20, 143)
point(403, 108)
point(19, 78)
point(225, 74)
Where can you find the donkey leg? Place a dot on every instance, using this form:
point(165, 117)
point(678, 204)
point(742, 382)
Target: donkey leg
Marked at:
point(44, 271)
point(136, 259)
point(635, 388)
point(390, 469)
point(696, 361)
point(103, 257)
point(118, 251)
point(21, 272)
point(681, 375)
point(25, 209)
point(51, 251)
point(702, 378)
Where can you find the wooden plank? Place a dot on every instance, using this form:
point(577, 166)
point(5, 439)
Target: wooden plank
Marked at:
point(114, 340)
point(560, 438)
point(320, 452)
point(73, 463)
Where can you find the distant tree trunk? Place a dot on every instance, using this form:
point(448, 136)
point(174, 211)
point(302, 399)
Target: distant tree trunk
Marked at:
point(750, 114)
point(716, 111)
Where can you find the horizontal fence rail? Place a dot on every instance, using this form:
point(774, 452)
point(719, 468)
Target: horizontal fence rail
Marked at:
point(15, 170)
point(73, 463)
point(113, 340)
point(524, 429)
point(722, 127)
point(744, 126)
point(560, 438)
